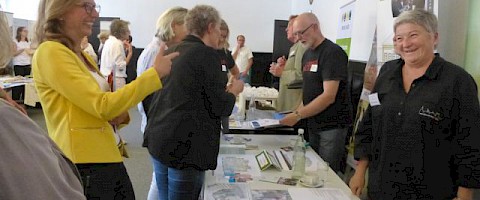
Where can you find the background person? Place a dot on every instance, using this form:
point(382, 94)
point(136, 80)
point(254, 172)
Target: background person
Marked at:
point(113, 52)
point(22, 60)
point(243, 58)
point(183, 129)
point(170, 30)
point(420, 139)
point(228, 64)
point(88, 48)
point(79, 112)
point(102, 37)
point(289, 71)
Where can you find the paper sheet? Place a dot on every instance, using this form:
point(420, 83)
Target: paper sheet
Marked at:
point(317, 193)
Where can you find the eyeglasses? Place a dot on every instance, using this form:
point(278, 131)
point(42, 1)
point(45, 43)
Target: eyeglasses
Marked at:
point(300, 33)
point(89, 7)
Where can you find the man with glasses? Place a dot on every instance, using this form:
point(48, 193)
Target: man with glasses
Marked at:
point(325, 101)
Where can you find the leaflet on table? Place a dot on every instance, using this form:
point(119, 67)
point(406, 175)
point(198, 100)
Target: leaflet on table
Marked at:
point(270, 194)
point(232, 149)
point(317, 193)
point(265, 123)
point(237, 164)
point(222, 191)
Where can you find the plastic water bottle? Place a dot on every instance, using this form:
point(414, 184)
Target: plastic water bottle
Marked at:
point(252, 108)
point(299, 156)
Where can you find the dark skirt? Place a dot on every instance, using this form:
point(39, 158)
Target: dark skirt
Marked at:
point(108, 181)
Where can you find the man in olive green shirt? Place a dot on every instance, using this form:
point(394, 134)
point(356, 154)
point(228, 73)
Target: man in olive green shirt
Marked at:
point(289, 70)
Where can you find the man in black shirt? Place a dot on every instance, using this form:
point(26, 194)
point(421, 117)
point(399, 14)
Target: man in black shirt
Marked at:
point(325, 100)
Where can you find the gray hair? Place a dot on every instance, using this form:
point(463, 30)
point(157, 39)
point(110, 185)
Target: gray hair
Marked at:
point(199, 17)
point(164, 29)
point(419, 17)
point(118, 27)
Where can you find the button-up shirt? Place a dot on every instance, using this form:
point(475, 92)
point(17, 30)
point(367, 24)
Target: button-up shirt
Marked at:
point(113, 55)
point(425, 143)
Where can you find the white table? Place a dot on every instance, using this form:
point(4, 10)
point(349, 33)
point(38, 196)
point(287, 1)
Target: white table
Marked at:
point(271, 142)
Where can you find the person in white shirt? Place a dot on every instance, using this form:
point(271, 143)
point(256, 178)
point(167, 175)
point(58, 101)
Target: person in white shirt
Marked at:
point(113, 53)
point(243, 58)
point(102, 37)
point(88, 48)
point(22, 60)
point(170, 29)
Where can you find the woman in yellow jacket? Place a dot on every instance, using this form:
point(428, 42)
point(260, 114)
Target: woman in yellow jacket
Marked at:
point(79, 112)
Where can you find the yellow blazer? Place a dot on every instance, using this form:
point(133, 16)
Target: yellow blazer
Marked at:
point(76, 110)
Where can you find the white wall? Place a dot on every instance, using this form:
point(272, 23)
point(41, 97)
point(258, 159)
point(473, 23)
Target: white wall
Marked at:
point(328, 12)
point(22, 9)
point(247, 17)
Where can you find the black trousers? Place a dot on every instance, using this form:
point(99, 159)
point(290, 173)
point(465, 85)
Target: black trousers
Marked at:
point(18, 93)
point(106, 181)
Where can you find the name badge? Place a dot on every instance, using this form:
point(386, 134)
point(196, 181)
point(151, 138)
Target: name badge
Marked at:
point(373, 98)
point(224, 68)
point(314, 68)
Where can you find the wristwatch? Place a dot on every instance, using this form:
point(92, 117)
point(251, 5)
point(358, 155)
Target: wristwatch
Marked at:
point(299, 117)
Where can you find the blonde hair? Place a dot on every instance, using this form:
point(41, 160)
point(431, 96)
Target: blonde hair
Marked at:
point(199, 17)
point(5, 42)
point(173, 16)
point(224, 27)
point(103, 35)
point(49, 22)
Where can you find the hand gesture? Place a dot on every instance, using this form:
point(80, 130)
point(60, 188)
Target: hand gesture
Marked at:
point(163, 64)
point(236, 87)
point(281, 61)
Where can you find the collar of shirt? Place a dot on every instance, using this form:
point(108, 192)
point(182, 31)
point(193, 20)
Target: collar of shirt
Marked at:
point(431, 73)
point(192, 38)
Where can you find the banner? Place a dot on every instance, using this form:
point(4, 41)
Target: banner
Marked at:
point(344, 38)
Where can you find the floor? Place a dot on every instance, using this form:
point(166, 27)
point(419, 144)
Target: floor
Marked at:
point(138, 165)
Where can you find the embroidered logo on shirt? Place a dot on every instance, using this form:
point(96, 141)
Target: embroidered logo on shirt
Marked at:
point(431, 114)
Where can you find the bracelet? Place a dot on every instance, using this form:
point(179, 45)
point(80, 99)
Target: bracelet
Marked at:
point(299, 117)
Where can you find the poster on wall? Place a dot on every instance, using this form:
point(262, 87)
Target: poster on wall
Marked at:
point(344, 38)
point(387, 12)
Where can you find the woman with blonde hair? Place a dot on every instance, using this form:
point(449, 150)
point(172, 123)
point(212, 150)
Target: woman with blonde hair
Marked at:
point(170, 30)
point(79, 110)
point(228, 64)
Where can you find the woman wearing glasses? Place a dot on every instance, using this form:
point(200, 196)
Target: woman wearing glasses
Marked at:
point(79, 111)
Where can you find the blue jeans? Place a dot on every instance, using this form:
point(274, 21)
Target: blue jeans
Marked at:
point(177, 184)
point(330, 145)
